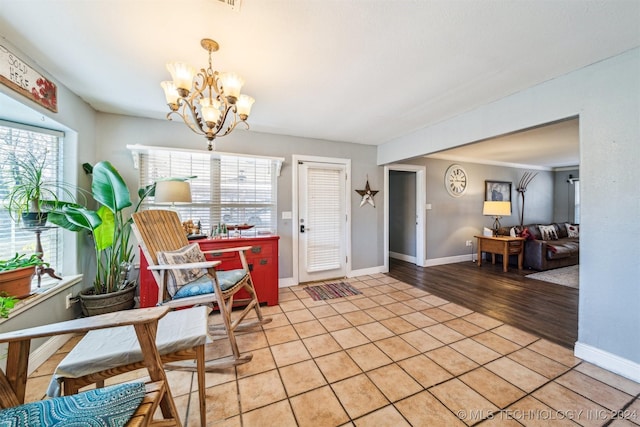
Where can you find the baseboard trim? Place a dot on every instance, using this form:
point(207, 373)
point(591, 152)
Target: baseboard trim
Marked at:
point(285, 282)
point(402, 257)
point(46, 350)
point(608, 361)
point(366, 271)
point(447, 260)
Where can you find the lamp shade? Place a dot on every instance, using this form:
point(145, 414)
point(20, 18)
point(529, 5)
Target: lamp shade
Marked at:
point(496, 209)
point(173, 192)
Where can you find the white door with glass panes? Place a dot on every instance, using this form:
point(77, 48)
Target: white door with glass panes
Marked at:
point(322, 218)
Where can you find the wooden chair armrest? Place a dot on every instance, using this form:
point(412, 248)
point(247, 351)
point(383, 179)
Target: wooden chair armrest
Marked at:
point(206, 264)
point(85, 324)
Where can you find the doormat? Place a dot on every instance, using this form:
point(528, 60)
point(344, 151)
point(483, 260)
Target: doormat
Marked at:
point(566, 276)
point(331, 290)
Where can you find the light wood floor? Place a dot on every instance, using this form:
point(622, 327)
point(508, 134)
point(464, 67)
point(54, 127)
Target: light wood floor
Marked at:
point(545, 309)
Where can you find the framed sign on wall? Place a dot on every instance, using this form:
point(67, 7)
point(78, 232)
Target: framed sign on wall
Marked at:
point(20, 77)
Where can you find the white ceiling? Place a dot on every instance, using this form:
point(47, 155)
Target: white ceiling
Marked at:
point(362, 71)
point(556, 145)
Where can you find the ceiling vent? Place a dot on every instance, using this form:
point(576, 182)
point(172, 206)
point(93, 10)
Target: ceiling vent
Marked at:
point(233, 4)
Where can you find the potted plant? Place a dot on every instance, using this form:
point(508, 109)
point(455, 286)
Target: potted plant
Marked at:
point(16, 274)
point(110, 230)
point(31, 188)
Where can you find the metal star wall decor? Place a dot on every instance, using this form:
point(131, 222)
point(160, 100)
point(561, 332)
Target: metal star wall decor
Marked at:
point(367, 195)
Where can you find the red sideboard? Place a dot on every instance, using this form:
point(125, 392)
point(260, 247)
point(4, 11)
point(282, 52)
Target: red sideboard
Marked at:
point(262, 259)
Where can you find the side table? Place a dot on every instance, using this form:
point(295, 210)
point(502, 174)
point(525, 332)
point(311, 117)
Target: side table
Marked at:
point(503, 245)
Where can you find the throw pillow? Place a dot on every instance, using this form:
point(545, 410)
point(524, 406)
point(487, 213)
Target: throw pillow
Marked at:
point(573, 230)
point(108, 406)
point(201, 286)
point(527, 234)
point(178, 278)
point(548, 232)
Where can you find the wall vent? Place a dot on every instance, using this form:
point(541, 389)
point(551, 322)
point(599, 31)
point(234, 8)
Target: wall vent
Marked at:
point(233, 4)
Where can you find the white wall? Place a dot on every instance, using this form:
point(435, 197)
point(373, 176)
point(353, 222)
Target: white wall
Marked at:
point(606, 97)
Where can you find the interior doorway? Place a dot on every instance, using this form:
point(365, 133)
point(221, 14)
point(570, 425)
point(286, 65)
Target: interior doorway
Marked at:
point(404, 213)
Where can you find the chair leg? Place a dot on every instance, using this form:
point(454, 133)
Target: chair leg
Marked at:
point(201, 384)
point(248, 286)
point(225, 306)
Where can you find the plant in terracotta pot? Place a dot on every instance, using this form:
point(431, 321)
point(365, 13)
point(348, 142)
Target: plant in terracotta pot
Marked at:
point(110, 229)
point(16, 274)
point(32, 189)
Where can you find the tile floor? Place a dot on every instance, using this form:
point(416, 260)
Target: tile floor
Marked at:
point(395, 356)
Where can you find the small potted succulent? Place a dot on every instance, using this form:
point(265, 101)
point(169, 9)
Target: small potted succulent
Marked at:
point(16, 274)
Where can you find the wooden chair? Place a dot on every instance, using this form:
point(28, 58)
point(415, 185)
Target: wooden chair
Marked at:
point(144, 321)
point(161, 231)
point(104, 353)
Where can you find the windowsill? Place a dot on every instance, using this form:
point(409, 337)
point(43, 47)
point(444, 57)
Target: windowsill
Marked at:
point(43, 293)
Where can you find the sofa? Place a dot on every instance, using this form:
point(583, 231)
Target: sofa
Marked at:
point(549, 246)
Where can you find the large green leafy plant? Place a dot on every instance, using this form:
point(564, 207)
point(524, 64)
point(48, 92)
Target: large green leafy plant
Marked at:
point(109, 226)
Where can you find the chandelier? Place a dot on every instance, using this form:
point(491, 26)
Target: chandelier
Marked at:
point(209, 102)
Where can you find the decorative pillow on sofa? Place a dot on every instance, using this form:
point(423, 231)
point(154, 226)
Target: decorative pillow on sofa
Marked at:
point(178, 278)
point(526, 233)
point(573, 230)
point(548, 232)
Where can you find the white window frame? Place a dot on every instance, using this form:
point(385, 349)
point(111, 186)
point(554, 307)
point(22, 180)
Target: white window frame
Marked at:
point(14, 238)
point(208, 204)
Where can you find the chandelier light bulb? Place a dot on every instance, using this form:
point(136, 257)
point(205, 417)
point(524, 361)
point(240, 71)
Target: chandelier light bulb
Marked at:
point(170, 92)
point(182, 75)
point(244, 104)
point(210, 110)
point(231, 85)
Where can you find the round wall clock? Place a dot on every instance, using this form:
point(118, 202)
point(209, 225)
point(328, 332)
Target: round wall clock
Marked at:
point(455, 180)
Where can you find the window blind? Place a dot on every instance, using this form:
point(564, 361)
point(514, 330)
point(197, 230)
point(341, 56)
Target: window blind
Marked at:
point(20, 140)
point(230, 189)
point(324, 219)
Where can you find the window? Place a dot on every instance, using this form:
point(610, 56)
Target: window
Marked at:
point(227, 188)
point(19, 140)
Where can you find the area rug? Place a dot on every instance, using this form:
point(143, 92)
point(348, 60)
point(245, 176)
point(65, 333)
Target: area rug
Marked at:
point(331, 290)
point(565, 276)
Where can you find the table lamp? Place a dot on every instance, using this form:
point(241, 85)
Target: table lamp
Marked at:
point(496, 210)
point(173, 192)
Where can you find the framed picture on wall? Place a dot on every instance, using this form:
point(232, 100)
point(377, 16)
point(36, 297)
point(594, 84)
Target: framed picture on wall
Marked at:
point(497, 191)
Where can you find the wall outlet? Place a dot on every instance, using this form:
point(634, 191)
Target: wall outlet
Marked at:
point(468, 243)
point(67, 301)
